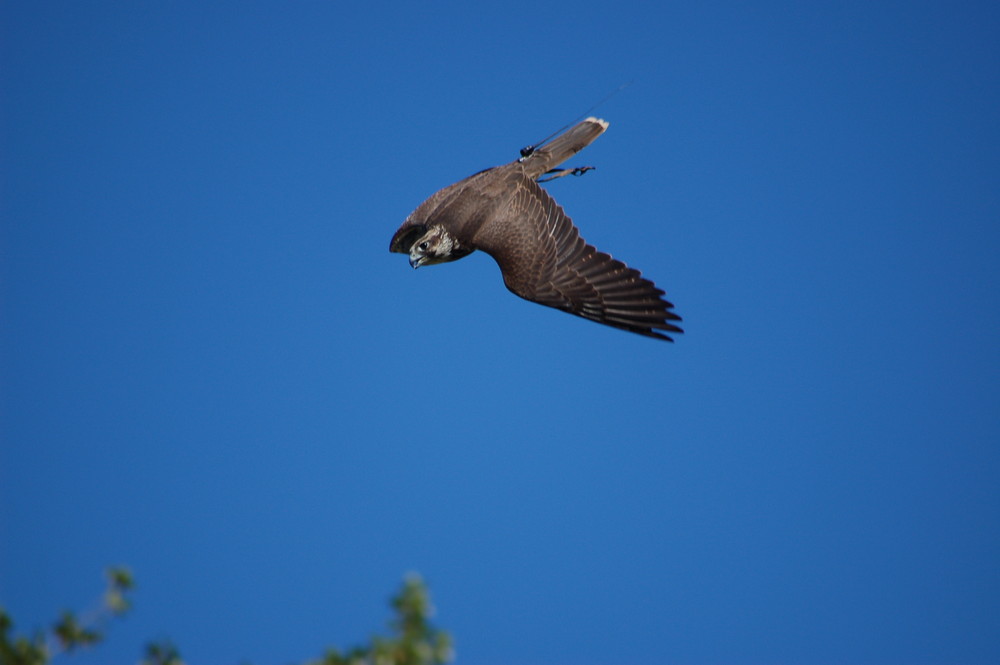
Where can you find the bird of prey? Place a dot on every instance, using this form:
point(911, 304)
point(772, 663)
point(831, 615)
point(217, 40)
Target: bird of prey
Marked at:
point(504, 212)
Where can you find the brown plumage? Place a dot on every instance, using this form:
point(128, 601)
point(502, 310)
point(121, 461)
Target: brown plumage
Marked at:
point(504, 212)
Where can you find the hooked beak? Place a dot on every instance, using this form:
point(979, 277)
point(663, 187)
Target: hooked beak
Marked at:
point(416, 261)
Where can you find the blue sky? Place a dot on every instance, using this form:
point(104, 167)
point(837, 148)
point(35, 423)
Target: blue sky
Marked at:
point(215, 373)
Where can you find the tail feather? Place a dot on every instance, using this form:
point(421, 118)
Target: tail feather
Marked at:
point(562, 147)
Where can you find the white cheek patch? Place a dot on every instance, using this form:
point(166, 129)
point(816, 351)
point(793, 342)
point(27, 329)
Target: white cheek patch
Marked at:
point(445, 245)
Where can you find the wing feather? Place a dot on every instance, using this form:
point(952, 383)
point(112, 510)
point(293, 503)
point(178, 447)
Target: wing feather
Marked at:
point(544, 259)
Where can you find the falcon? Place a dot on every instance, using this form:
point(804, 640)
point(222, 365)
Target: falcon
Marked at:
point(504, 212)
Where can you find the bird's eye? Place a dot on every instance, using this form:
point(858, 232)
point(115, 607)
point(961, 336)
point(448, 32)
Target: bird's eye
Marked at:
point(422, 246)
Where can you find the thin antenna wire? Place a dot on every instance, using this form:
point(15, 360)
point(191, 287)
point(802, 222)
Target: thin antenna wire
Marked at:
point(527, 150)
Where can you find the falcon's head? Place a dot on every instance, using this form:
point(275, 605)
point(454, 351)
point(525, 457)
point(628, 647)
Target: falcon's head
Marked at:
point(436, 246)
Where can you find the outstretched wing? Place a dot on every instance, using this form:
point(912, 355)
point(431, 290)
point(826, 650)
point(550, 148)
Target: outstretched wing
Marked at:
point(544, 259)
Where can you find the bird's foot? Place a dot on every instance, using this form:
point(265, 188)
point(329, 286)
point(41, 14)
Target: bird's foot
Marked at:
point(559, 173)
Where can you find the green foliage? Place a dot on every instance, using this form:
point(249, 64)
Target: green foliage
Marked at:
point(120, 582)
point(70, 632)
point(72, 635)
point(414, 641)
point(163, 653)
point(20, 650)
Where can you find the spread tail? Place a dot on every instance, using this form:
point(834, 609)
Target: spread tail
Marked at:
point(539, 159)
